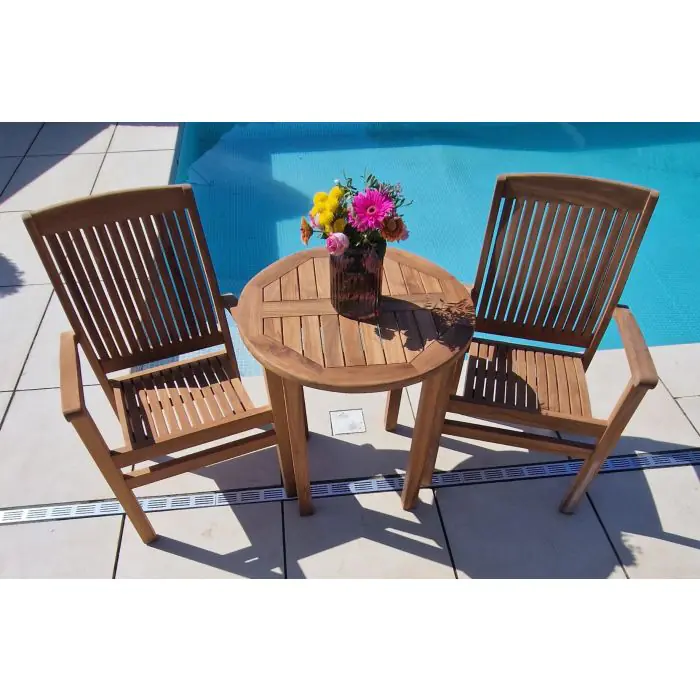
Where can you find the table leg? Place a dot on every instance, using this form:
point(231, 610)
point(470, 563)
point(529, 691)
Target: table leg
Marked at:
point(391, 412)
point(432, 407)
point(275, 391)
point(294, 399)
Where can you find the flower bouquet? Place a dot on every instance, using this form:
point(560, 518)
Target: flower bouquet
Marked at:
point(356, 226)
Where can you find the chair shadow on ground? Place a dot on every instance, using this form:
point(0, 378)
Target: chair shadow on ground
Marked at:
point(11, 276)
point(343, 520)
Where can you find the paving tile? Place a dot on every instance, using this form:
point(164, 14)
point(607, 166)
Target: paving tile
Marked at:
point(253, 470)
point(366, 536)
point(461, 453)
point(653, 520)
point(41, 370)
point(691, 408)
point(514, 530)
point(19, 261)
point(657, 425)
point(15, 137)
point(145, 137)
point(41, 181)
point(679, 368)
point(43, 459)
point(21, 309)
point(65, 138)
point(7, 167)
point(138, 169)
point(63, 549)
point(237, 542)
point(4, 401)
point(355, 455)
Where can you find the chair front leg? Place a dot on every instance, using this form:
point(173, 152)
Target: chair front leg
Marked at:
point(621, 415)
point(96, 446)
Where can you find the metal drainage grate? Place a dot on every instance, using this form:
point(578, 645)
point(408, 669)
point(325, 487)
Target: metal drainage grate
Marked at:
point(92, 509)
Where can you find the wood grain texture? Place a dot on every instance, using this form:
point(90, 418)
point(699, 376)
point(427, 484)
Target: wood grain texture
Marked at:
point(426, 320)
point(557, 253)
point(135, 279)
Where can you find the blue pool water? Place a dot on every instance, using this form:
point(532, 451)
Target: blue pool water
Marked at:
point(253, 182)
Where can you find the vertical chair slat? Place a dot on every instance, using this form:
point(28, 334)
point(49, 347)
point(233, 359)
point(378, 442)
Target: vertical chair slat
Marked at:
point(570, 285)
point(538, 265)
point(492, 257)
point(148, 275)
point(187, 267)
point(511, 269)
point(581, 284)
point(151, 238)
point(72, 297)
point(197, 271)
point(526, 262)
point(107, 312)
point(503, 260)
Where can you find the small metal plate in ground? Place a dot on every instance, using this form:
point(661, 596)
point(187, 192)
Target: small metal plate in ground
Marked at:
point(346, 422)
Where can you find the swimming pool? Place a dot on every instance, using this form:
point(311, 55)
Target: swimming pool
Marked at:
point(253, 182)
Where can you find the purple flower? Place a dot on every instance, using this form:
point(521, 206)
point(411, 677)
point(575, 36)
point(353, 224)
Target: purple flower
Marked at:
point(369, 209)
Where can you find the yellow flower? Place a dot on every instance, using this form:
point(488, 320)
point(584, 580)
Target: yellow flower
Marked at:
point(314, 210)
point(339, 225)
point(320, 198)
point(325, 218)
point(336, 192)
point(332, 203)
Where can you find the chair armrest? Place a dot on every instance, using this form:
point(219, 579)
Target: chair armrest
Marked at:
point(72, 399)
point(638, 355)
point(230, 302)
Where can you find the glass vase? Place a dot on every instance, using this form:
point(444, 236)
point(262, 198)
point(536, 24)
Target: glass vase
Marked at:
point(356, 283)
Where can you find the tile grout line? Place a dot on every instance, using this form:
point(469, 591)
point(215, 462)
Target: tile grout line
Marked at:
point(21, 160)
point(119, 547)
point(104, 157)
point(607, 535)
point(682, 410)
point(49, 388)
point(26, 359)
point(284, 541)
point(444, 532)
point(30, 284)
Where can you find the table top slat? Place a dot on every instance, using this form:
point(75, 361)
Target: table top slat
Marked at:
point(288, 323)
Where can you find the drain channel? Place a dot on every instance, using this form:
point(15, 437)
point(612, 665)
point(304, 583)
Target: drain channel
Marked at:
point(153, 504)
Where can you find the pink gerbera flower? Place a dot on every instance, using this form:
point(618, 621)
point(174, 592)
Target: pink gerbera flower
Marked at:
point(369, 209)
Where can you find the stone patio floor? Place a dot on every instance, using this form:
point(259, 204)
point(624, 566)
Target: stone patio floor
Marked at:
point(636, 524)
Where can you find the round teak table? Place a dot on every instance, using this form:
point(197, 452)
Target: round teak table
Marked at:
point(425, 325)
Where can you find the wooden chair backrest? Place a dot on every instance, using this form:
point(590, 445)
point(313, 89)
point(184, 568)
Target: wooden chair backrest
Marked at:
point(556, 256)
point(133, 273)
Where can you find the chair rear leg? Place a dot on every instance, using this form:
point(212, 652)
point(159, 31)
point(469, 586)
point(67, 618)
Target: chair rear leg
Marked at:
point(96, 446)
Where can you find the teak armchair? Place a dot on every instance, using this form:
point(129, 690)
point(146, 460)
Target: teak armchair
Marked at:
point(557, 253)
point(134, 276)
